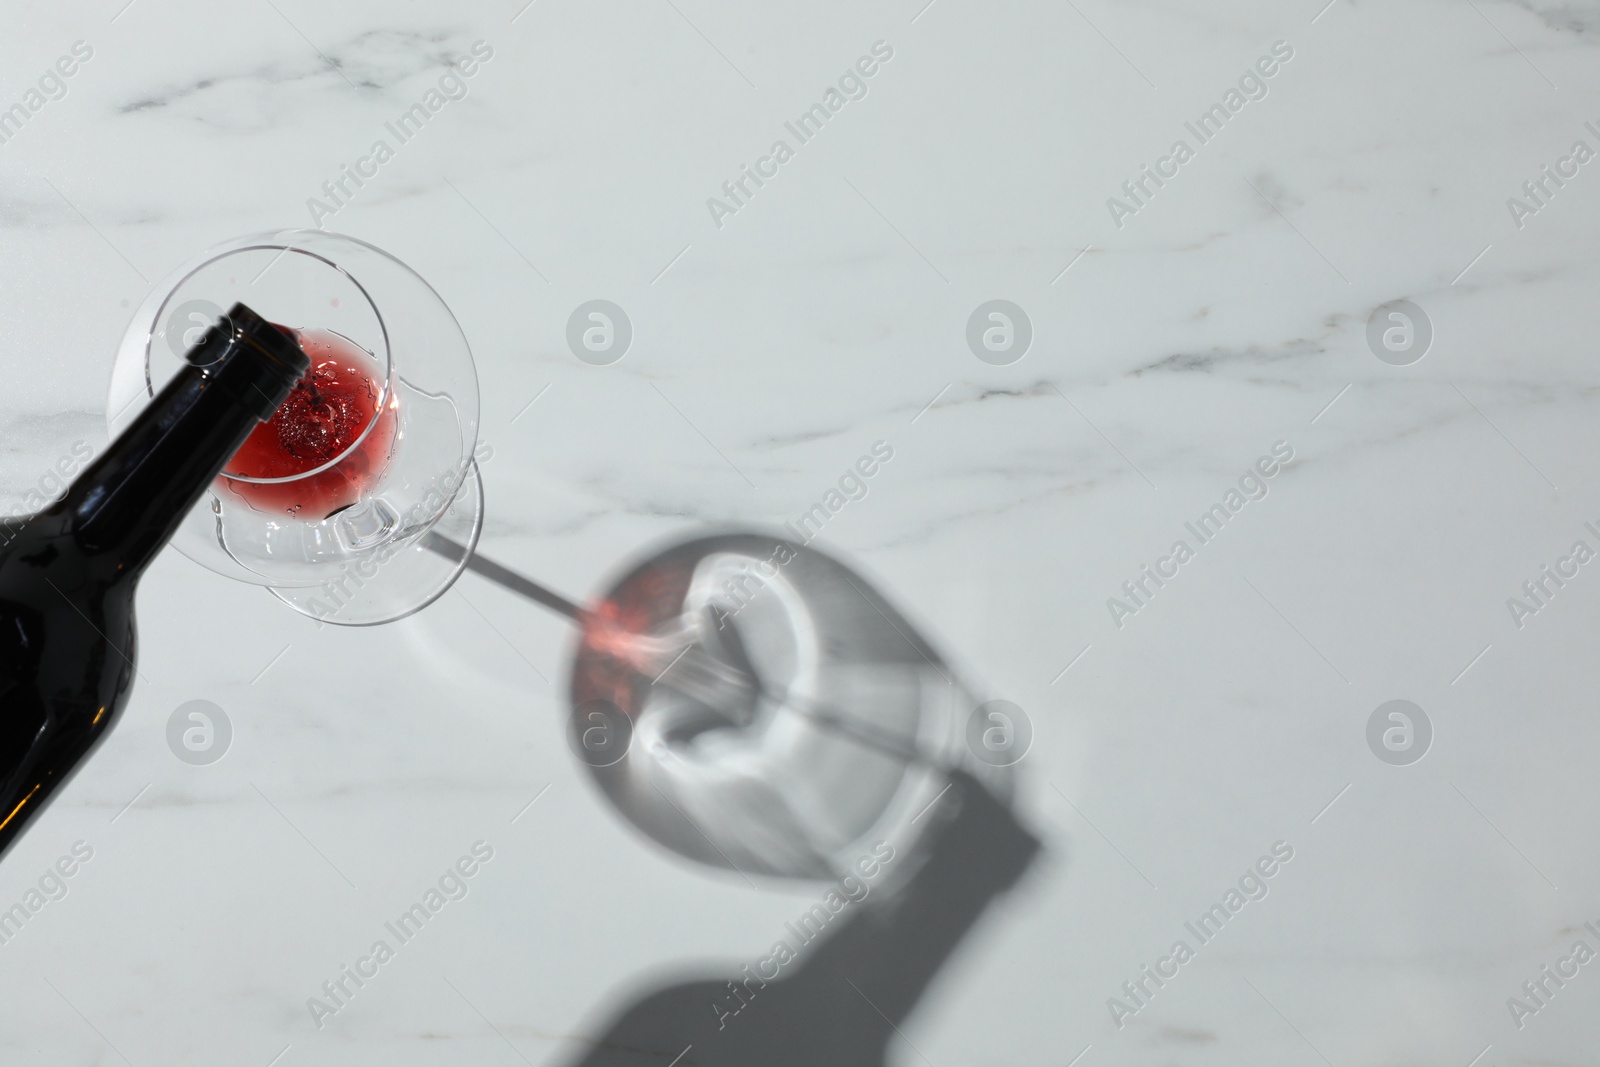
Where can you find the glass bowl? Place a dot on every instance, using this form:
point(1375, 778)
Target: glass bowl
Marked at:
point(337, 537)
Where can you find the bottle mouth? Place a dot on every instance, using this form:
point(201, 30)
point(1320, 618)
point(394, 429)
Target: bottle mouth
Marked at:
point(385, 403)
point(286, 279)
point(250, 358)
point(276, 344)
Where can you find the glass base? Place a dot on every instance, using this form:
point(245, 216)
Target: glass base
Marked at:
point(385, 589)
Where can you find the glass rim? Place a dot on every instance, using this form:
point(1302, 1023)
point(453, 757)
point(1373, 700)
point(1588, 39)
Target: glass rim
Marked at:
point(284, 247)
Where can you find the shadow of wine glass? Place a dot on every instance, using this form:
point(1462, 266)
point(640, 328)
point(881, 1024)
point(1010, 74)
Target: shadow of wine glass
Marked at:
point(840, 996)
point(847, 992)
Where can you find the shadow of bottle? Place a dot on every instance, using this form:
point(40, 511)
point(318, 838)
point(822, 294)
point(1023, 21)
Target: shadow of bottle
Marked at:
point(848, 990)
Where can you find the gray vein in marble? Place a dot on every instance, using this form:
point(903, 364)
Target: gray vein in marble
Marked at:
point(33, 426)
point(378, 60)
point(923, 534)
point(1219, 358)
point(981, 395)
point(1580, 19)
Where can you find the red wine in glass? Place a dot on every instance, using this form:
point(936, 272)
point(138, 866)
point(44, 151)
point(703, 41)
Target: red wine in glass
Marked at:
point(328, 411)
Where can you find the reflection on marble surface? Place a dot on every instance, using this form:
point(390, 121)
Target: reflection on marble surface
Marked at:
point(1230, 312)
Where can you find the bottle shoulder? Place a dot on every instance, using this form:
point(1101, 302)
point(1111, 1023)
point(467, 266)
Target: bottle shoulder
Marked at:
point(47, 548)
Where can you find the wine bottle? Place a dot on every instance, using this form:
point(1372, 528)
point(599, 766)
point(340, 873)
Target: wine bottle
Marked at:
point(68, 573)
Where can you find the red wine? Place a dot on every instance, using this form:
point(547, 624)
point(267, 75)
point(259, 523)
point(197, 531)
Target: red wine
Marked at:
point(68, 574)
point(326, 413)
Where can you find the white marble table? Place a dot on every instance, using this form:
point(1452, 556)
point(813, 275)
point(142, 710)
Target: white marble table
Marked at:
point(1176, 339)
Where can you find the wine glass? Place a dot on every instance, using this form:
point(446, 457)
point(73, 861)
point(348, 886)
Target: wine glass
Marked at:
point(754, 704)
point(327, 505)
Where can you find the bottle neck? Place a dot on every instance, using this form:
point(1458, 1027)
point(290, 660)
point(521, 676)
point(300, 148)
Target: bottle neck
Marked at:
point(128, 503)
